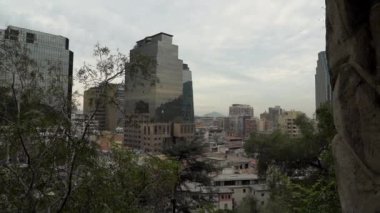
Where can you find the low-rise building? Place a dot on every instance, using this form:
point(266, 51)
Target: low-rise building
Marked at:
point(261, 193)
point(220, 198)
point(240, 184)
point(153, 137)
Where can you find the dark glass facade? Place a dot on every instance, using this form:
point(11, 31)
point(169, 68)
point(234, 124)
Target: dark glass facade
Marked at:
point(158, 96)
point(187, 91)
point(53, 60)
point(155, 82)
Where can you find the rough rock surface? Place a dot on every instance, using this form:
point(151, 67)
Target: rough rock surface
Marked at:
point(353, 50)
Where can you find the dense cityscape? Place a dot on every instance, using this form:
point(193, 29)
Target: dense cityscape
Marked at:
point(132, 139)
point(149, 113)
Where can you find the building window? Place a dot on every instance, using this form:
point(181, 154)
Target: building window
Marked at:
point(30, 38)
point(12, 34)
point(245, 182)
point(229, 183)
point(225, 206)
point(262, 194)
point(243, 190)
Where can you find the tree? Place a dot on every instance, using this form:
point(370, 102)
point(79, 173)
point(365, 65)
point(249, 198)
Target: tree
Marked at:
point(46, 166)
point(299, 170)
point(248, 204)
point(190, 170)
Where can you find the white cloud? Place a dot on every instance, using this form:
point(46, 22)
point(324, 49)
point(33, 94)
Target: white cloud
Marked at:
point(257, 52)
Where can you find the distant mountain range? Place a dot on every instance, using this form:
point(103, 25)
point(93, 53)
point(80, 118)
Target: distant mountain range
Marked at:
point(214, 114)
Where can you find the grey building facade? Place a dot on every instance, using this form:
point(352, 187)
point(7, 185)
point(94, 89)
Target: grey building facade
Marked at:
point(323, 92)
point(274, 114)
point(241, 110)
point(52, 59)
point(105, 103)
point(238, 114)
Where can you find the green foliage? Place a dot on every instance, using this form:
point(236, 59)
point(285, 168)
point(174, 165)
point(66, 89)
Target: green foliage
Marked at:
point(125, 185)
point(292, 195)
point(248, 204)
point(46, 167)
point(295, 154)
point(299, 171)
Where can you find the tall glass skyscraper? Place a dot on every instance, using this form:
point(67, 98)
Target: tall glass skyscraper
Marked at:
point(187, 92)
point(323, 92)
point(52, 58)
point(158, 94)
point(158, 83)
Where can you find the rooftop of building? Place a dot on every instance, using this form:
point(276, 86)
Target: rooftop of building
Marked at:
point(260, 187)
point(232, 177)
point(153, 36)
point(199, 188)
point(242, 105)
point(33, 31)
point(218, 156)
point(185, 66)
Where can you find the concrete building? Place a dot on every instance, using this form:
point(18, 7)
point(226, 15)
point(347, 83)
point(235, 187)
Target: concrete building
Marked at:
point(240, 184)
point(261, 193)
point(265, 125)
point(269, 121)
point(250, 127)
point(106, 103)
point(287, 123)
point(220, 198)
point(274, 114)
point(241, 110)
point(158, 93)
point(52, 63)
point(323, 92)
point(235, 123)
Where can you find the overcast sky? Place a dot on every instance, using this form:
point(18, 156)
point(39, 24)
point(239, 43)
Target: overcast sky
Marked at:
point(257, 52)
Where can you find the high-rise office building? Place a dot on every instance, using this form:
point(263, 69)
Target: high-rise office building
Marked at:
point(52, 58)
point(323, 93)
point(159, 96)
point(106, 103)
point(187, 91)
